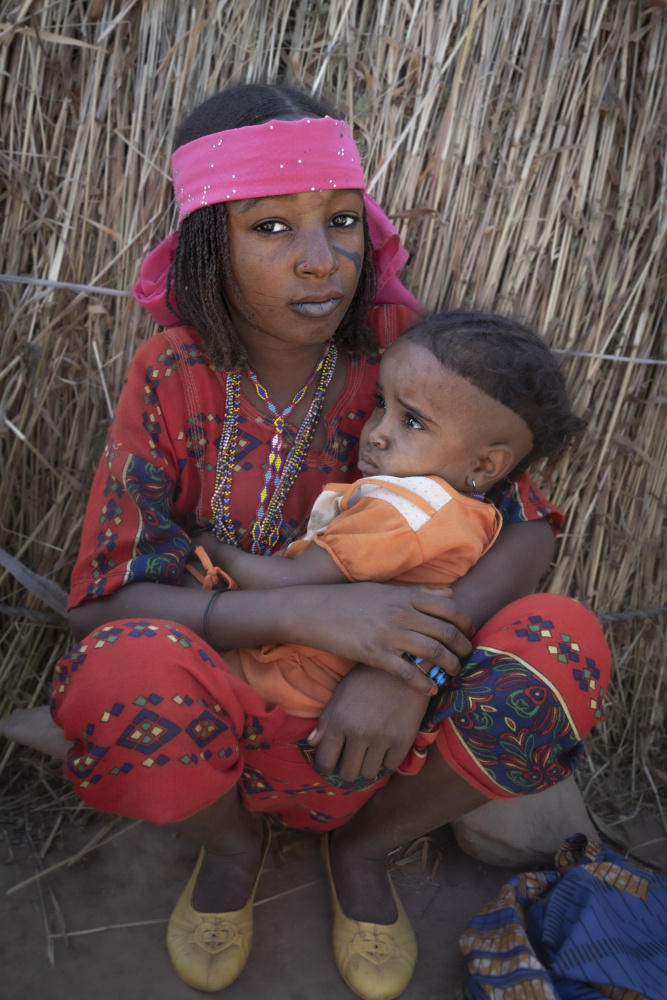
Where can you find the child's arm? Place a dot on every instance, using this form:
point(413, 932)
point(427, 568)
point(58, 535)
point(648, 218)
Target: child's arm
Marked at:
point(253, 572)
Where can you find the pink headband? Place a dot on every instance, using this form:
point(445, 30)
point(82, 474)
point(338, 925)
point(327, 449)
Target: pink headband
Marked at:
point(259, 161)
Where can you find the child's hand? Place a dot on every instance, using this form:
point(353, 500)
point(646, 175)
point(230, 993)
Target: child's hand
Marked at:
point(203, 569)
point(188, 580)
point(212, 546)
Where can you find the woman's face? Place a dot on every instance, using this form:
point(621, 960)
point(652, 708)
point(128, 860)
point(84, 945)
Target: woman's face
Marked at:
point(297, 260)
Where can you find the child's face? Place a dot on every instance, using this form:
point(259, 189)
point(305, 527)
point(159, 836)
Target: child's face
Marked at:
point(296, 259)
point(428, 421)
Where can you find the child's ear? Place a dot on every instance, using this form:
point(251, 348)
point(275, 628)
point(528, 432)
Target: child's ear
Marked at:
point(492, 465)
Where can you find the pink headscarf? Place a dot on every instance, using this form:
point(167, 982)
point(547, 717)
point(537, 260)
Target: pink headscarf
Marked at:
point(260, 161)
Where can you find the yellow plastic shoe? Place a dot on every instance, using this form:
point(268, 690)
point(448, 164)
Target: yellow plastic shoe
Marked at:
point(375, 960)
point(209, 950)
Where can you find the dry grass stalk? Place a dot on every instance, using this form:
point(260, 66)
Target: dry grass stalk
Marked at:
point(99, 839)
point(532, 136)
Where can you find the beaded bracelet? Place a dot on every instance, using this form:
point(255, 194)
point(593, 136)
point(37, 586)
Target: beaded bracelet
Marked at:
point(436, 673)
point(216, 593)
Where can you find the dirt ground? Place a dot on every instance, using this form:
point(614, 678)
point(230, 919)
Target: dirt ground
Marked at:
point(67, 933)
point(93, 924)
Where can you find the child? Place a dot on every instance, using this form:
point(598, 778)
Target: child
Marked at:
point(464, 400)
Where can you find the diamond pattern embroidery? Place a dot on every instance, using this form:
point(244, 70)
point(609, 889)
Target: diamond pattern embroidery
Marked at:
point(205, 728)
point(565, 649)
point(113, 711)
point(84, 765)
point(148, 732)
point(254, 783)
point(139, 629)
point(538, 629)
point(106, 634)
point(589, 677)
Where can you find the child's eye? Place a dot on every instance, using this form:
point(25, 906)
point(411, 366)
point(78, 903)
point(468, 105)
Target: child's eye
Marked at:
point(379, 402)
point(413, 423)
point(344, 220)
point(271, 226)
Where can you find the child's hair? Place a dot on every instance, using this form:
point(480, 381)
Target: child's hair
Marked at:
point(202, 257)
point(510, 363)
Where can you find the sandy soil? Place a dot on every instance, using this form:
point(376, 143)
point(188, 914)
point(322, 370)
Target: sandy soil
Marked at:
point(69, 929)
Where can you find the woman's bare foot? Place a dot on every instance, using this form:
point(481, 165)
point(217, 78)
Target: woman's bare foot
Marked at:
point(229, 871)
point(362, 881)
point(34, 727)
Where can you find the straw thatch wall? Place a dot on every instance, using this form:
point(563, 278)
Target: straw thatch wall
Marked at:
point(521, 146)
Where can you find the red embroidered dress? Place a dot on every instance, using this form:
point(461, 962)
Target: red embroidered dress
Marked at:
point(156, 478)
point(162, 729)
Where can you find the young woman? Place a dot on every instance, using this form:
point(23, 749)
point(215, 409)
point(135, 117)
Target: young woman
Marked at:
point(233, 418)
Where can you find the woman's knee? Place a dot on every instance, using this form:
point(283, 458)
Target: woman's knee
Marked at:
point(514, 720)
point(138, 666)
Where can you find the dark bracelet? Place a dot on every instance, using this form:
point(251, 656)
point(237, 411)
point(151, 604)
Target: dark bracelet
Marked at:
point(216, 593)
point(436, 673)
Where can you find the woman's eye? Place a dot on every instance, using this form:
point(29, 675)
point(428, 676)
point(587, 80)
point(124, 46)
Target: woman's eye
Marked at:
point(345, 220)
point(271, 226)
point(379, 402)
point(412, 422)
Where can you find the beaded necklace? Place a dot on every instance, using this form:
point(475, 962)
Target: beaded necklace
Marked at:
point(280, 474)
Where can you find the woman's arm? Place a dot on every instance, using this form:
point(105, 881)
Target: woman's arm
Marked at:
point(372, 622)
point(512, 568)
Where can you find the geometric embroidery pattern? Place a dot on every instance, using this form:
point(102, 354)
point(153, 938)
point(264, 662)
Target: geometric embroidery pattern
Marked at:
point(82, 766)
point(106, 634)
point(538, 629)
point(588, 676)
point(205, 728)
point(148, 733)
point(114, 711)
point(253, 783)
point(561, 646)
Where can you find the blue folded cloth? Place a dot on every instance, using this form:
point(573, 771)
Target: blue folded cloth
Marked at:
point(596, 924)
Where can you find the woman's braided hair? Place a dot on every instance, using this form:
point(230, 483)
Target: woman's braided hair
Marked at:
point(510, 363)
point(202, 261)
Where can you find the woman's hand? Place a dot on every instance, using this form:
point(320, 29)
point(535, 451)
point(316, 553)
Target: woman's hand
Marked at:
point(369, 723)
point(376, 624)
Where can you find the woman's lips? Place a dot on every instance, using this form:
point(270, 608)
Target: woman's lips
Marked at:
point(316, 310)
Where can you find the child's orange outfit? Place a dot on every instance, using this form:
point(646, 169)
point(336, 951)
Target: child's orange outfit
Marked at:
point(415, 530)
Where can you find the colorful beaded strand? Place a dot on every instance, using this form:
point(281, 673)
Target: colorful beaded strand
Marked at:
point(265, 530)
point(227, 448)
point(275, 461)
point(266, 534)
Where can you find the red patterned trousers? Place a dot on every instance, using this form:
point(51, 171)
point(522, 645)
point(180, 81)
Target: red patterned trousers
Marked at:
point(162, 729)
